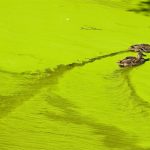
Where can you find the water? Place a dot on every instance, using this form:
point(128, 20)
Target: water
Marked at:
point(61, 85)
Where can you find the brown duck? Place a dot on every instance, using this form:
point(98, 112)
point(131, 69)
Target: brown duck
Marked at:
point(140, 47)
point(133, 61)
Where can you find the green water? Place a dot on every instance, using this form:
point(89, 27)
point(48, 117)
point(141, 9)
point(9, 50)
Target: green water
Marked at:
point(61, 88)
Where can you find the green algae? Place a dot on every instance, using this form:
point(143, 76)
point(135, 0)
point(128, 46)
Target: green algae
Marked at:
point(61, 86)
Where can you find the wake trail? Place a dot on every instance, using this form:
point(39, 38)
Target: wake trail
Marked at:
point(35, 82)
point(68, 66)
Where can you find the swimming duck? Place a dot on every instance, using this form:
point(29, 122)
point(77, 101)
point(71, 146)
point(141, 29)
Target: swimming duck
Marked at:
point(133, 61)
point(140, 47)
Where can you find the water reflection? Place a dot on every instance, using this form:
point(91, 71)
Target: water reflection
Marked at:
point(113, 137)
point(123, 76)
point(143, 7)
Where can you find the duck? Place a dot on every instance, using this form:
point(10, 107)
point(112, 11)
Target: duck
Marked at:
point(140, 47)
point(133, 61)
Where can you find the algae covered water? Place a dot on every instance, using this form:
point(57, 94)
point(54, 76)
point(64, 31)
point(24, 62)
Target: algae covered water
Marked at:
point(61, 87)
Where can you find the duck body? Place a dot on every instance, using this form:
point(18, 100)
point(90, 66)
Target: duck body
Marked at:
point(140, 47)
point(132, 61)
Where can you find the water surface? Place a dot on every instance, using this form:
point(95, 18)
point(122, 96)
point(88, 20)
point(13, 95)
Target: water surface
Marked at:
point(61, 85)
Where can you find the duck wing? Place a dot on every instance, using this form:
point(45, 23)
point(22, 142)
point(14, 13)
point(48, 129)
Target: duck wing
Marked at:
point(128, 60)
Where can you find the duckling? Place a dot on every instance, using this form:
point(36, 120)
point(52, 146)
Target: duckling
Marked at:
point(133, 61)
point(140, 47)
